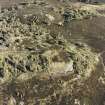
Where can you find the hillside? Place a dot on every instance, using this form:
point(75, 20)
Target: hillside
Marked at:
point(52, 52)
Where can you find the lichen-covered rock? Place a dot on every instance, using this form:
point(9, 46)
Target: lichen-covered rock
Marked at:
point(77, 14)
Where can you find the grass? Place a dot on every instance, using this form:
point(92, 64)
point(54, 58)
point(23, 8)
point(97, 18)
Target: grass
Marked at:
point(39, 65)
point(32, 49)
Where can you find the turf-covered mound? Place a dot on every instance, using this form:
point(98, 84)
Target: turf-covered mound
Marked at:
point(28, 49)
point(69, 59)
